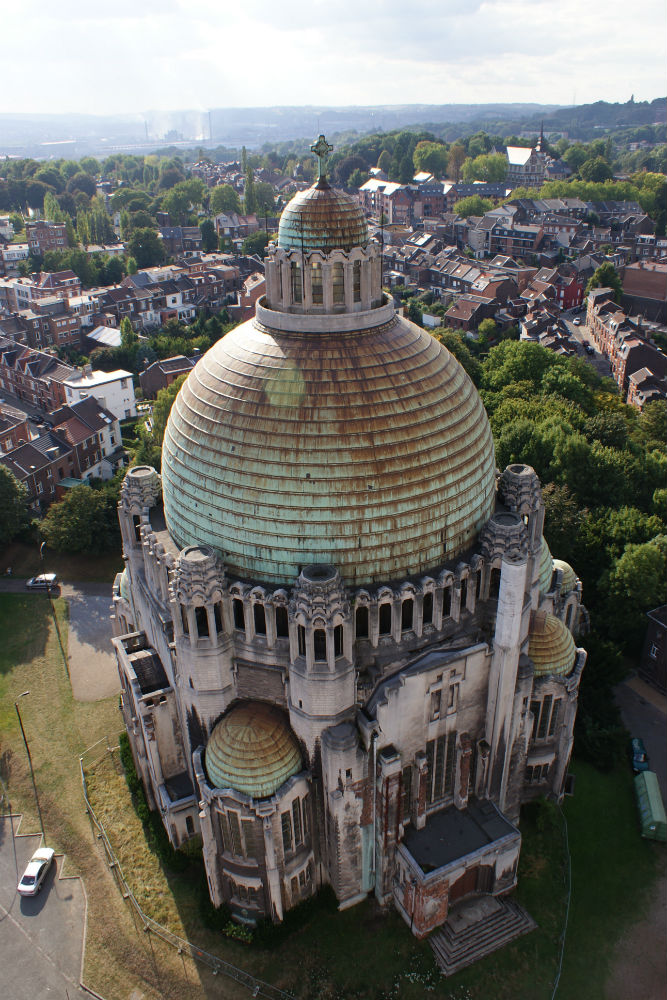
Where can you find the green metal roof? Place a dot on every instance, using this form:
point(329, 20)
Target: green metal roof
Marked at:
point(569, 577)
point(369, 450)
point(546, 567)
point(551, 646)
point(322, 218)
point(252, 750)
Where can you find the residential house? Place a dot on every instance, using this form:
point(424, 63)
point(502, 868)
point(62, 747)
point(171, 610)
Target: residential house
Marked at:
point(42, 236)
point(113, 390)
point(645, 289)
point(161, 374)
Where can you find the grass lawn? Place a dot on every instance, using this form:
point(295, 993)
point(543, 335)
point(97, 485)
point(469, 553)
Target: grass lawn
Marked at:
point(25, 562)
point(118, 957)
point(362, 953)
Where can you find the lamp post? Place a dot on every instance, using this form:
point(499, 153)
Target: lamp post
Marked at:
point(27, 750)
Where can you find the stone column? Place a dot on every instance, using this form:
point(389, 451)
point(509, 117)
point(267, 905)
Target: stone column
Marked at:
point(273, 888)
point(462, 781)
point(365, 285)
point(422, 779)
point(503, 672)
point(348, 278)
point(307, 287)
point(327, 286)
point(285, 284)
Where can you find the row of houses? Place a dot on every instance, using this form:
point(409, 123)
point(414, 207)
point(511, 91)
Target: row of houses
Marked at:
point(52, 310)
point(638, 367)
point(75, 444)
point(44, 383)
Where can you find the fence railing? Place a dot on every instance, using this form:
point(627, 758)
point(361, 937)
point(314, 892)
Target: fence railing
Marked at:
point(256, 987)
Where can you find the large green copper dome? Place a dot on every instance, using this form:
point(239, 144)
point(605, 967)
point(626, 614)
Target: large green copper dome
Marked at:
point(322, 218)
point(369, 450)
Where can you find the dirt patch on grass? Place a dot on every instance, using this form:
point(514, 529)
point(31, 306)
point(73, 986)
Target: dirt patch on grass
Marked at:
point(639, 972)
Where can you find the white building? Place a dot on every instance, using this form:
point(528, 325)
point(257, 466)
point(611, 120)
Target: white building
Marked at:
point(113, 390)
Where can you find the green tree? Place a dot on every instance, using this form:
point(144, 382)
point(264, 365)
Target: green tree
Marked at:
point(431, 157)
point(596, 170)
point(85, 521)
point(256, 243)
point(474, 205)
point(129, 340)
point(488, 167)
point(209, 239)
point(224, 199)
point(606, 276)
point(162, 408)
point(456, 346)
point(384, 161)
point(249, 199)
point(455, 161)
point(13, 506)
point(82, 182)
point(264, 198)
point(146, 247)
point(486, 331)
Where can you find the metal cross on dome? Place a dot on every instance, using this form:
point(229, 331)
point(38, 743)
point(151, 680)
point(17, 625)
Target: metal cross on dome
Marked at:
point(321, 149)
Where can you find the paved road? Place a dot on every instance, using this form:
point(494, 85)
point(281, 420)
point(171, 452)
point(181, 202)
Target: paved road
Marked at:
point(92, 664)
point(41, 939)
point(644, 713)
point(583, 336)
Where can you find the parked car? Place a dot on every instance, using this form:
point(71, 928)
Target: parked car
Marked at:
point(37, 870)
point(45, 581)
point(588, 348)
point(576, 321)
point(638, 755)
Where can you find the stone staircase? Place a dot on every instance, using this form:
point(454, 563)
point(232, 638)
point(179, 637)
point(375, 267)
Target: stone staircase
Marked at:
point(476, 928)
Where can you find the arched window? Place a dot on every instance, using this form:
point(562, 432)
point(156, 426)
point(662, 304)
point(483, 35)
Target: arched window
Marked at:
point(356, 280)
point(447, 601)
point(296, 281)
point(239, 614)
point(361, 623)
point(202, 622)
point(301, 639)
point(385, 619)
point(260, 619)
point(217, 613)
point(282, 624)
point(338, 285)
point(338, 640)
point(407, 614)
point(494, 585)
point(464, 595)
point(316, 283)
point(184, 620)
point(319, 644)
point(427, 609)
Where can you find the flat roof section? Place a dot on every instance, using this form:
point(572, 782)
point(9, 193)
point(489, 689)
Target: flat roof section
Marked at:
point(455, 833)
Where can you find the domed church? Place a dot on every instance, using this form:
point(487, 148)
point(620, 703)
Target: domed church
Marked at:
point(345, 650)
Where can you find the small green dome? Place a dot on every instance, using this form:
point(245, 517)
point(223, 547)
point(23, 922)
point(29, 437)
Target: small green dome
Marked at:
point(322, 219)
point(252, 750)
point(569, 577)
point(551, 646)
point(546, 567)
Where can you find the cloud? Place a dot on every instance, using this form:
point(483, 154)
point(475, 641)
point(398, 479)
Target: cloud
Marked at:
point(125, 55)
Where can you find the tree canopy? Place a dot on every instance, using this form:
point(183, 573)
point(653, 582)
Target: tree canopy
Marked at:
point(13, 506)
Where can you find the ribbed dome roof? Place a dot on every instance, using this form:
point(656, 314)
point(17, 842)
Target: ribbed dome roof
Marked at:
point(369, 450)
point(569, 577)
point(322, 218)
point(551, 646)
point(546, 567)
point(252, 750)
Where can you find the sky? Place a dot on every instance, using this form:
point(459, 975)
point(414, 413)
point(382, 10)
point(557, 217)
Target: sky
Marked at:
point(120, 56)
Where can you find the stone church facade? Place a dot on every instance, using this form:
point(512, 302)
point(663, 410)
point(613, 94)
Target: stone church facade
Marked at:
point(345, 650)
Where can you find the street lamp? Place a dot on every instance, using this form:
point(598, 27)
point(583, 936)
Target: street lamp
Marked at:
point(27, 750)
